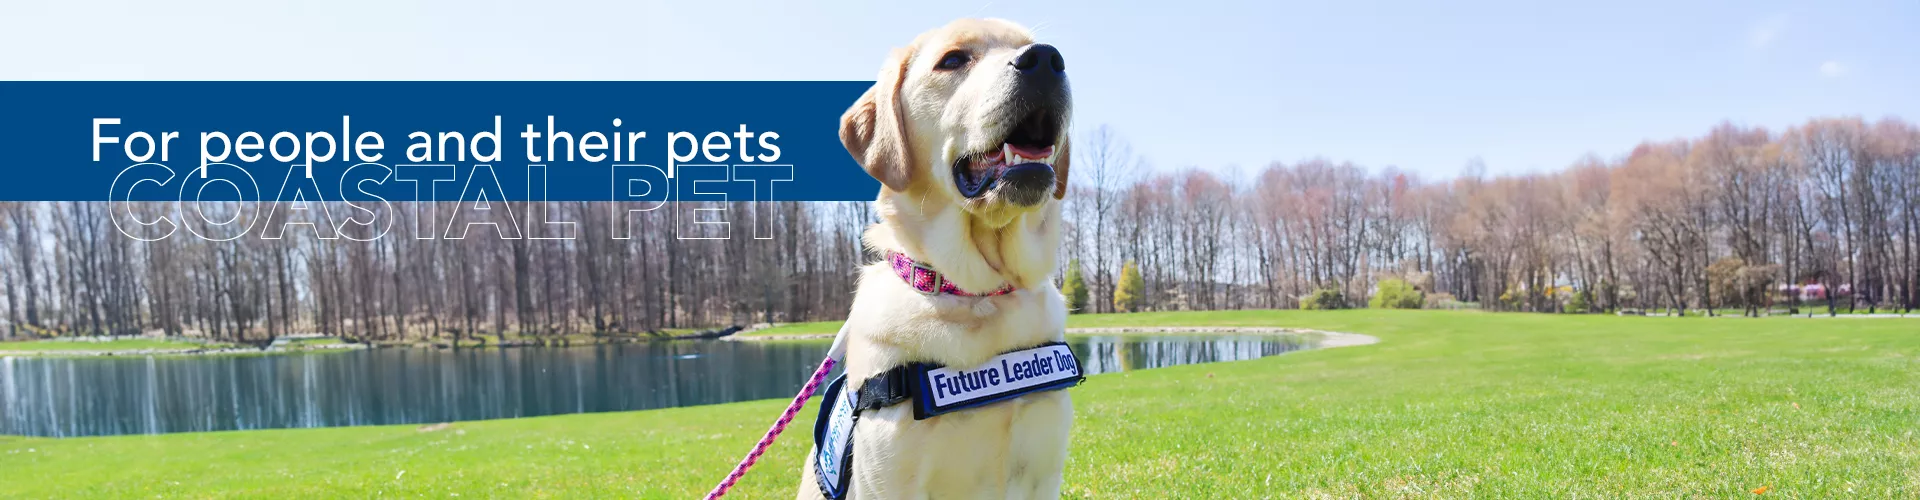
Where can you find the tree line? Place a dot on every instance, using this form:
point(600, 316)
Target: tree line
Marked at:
point(69, 272)
point(1822, 216)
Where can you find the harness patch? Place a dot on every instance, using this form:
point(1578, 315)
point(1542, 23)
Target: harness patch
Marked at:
point(833, 439)
point(1007, 376)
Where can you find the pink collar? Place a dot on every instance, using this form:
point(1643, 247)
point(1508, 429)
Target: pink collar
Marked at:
point(923, 278)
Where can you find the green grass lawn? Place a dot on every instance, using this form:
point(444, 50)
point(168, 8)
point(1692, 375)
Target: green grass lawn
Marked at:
point(1449, 404)
point(111, 345)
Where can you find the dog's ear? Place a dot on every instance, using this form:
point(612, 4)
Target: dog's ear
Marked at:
point(1060, 168)
point(874, 130)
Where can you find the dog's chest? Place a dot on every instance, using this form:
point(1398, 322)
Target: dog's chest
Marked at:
point(1011, 449)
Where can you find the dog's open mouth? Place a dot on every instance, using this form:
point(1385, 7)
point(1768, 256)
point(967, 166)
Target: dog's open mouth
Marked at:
point(1025, 157)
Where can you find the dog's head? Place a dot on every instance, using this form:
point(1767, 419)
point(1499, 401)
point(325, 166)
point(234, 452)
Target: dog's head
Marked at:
point(974, 114)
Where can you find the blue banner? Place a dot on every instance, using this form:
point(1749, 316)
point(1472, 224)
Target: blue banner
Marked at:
point(444, 141)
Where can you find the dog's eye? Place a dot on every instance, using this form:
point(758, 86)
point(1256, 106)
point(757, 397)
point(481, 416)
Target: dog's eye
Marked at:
point(954, 60)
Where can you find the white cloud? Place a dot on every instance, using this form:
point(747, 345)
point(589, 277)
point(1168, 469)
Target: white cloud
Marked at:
point(1832, 69)
point(1763, 33)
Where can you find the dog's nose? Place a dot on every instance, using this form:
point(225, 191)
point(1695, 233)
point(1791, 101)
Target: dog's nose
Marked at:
point(1039, 58)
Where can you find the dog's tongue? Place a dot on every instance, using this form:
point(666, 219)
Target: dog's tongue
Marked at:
point(1031, 153)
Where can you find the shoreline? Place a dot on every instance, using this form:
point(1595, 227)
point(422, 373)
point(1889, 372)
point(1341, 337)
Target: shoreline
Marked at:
point(184, 352)
point(1328, 339)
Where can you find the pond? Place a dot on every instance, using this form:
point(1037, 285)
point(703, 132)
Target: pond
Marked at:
point(94, 396)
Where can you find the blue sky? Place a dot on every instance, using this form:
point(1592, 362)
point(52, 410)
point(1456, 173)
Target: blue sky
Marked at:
point(1526, 86)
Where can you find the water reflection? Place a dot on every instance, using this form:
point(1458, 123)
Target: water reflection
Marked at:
point(104, 396)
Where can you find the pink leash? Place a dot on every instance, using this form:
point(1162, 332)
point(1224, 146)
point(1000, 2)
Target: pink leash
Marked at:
point(799, 400)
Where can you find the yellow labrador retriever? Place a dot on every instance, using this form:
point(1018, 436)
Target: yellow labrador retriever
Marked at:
point(954, 359)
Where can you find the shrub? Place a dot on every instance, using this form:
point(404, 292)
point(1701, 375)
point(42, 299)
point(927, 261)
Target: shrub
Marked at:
point(1075, 288)
point(1324, 299)
point(1395, 293)
point(1581, 303)
point(1510, 300)
point(1126, 295)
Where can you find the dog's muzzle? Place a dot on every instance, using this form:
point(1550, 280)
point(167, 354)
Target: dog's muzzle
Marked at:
point(1020, 167)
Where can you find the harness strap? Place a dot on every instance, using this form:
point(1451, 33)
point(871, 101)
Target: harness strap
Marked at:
point(885, 389)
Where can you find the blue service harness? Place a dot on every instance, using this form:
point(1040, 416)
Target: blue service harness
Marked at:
point(935, 390)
